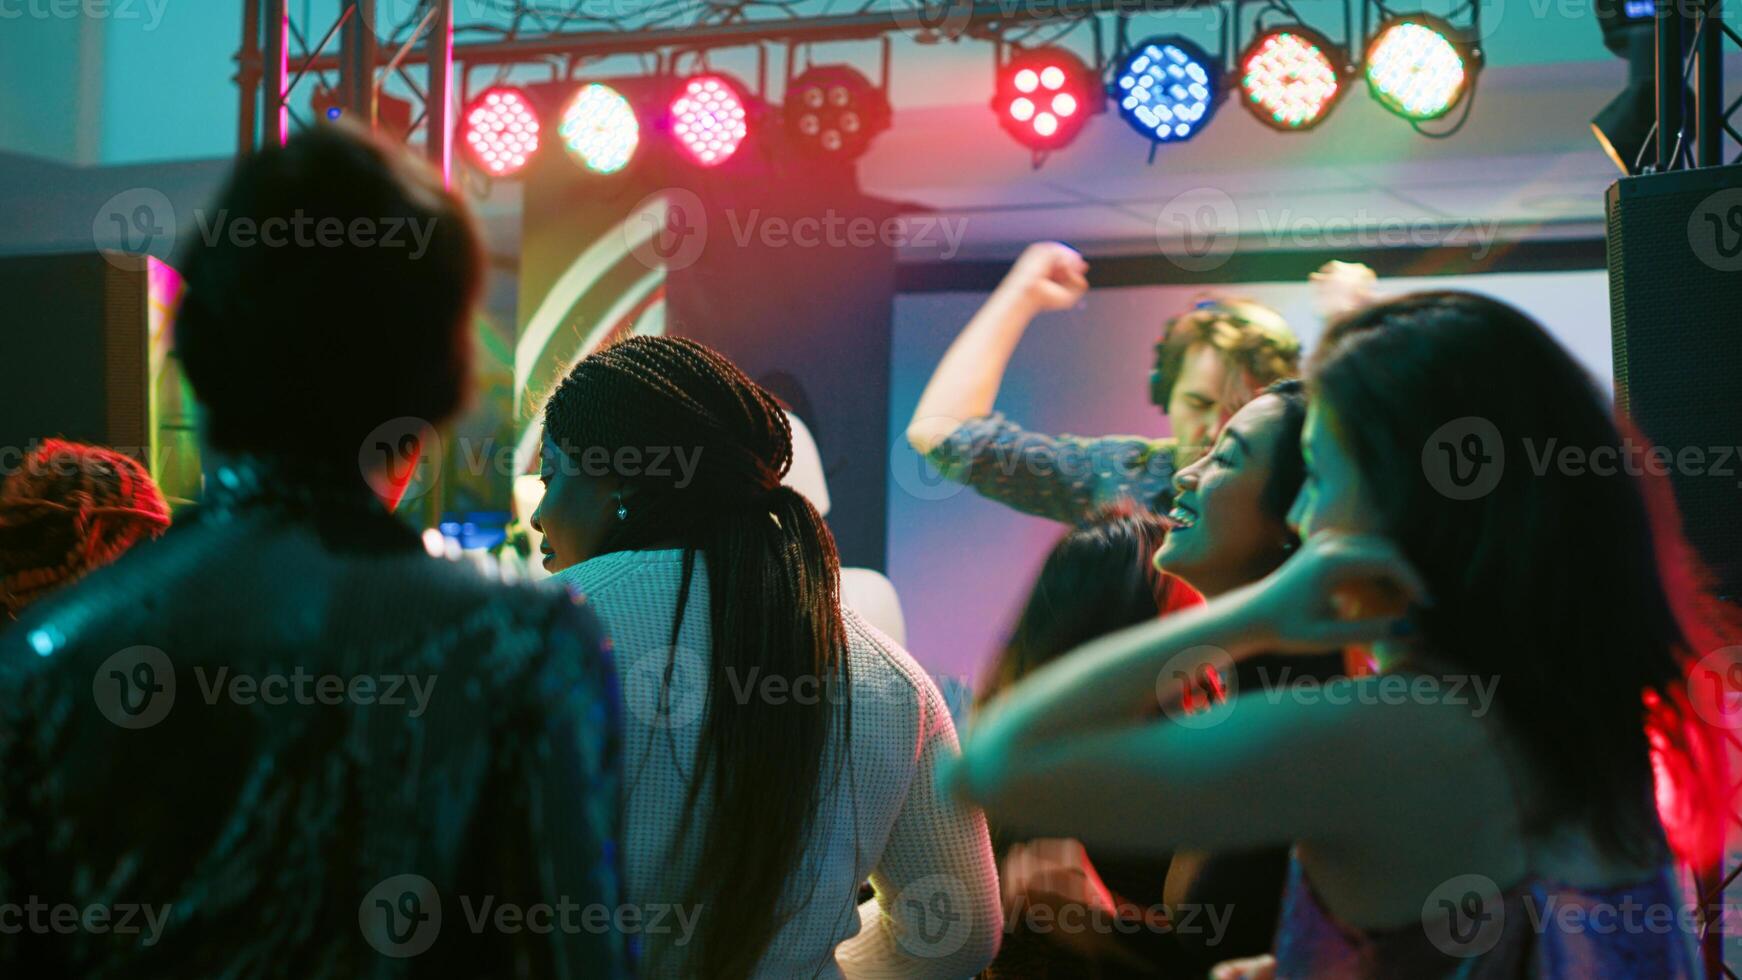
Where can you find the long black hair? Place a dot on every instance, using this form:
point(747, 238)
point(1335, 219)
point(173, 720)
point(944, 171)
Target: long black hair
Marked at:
point(1097, 579)
point(1553, 581)
point(774, 606)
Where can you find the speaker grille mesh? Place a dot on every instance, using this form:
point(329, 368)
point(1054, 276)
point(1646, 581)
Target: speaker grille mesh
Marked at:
point(1677, 334)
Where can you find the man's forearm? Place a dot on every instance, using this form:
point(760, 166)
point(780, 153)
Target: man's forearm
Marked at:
point(965, 384)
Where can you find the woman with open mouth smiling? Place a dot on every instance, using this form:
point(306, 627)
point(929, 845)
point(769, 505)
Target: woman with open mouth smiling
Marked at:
point(1229, 528)
point(1229, 524)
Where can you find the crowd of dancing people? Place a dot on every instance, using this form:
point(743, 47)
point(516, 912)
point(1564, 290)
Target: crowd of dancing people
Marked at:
point(1277, 705)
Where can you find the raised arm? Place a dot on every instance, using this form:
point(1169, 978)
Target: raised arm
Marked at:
point(1064, 753)
point(1048, 276)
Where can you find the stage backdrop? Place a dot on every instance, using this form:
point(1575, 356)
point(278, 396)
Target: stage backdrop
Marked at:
point(962, 564)
point(770, 258)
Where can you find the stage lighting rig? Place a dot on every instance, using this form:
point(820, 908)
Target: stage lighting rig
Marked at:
point(500, 131)
point(709, 118)
point(599, 128)
point(1419, 66)
point(1624, 127)
point(1044, 96)
point(1291, 76)
point(1167, 88)
point(833, 112)
point(393, 115)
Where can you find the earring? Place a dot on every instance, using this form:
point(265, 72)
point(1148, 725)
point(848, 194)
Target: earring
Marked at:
point(622, 509)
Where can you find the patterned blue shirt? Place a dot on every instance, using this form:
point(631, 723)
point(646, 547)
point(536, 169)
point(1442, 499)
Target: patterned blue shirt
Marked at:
point(1066, 478)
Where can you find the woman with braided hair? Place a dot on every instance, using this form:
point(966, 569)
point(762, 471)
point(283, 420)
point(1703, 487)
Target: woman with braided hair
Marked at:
point(776, 747)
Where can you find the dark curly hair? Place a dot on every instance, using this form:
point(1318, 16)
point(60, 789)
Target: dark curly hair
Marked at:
point(331, 291)
point(1252, 338)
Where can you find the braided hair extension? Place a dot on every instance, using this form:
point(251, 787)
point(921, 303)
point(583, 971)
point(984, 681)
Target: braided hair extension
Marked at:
point(71, 508)
point(774, 608)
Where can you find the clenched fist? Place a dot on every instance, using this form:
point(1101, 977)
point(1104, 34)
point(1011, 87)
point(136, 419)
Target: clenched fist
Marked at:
point(1048, 276)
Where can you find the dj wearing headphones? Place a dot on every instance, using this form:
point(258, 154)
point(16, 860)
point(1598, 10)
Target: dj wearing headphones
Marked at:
point(1209, 361)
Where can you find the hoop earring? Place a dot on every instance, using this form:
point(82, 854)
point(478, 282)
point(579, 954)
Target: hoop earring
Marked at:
point(622, 509)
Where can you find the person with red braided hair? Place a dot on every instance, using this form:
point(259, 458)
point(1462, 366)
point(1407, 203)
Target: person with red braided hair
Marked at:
point(68, 509)
point(778, 747)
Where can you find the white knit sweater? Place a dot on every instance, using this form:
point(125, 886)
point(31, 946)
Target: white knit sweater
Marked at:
point(936, 913)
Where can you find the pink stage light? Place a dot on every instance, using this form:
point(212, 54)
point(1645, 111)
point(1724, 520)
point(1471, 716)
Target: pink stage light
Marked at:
point(501, 131)
point(709, 120)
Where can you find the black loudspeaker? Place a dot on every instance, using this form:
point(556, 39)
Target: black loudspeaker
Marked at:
point(1675, 298)
point(85, 348)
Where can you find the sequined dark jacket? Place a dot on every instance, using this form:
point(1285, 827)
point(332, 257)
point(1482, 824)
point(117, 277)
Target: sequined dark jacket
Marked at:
point(281, 743)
